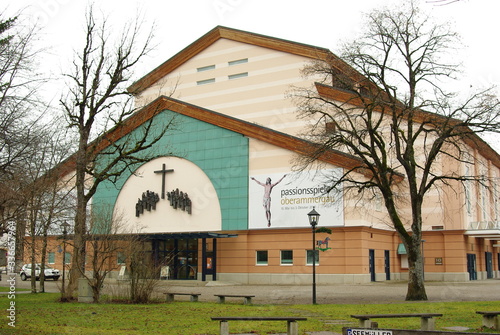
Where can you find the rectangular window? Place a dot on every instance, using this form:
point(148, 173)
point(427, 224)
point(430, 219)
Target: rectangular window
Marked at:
point(238, 61)
point(496, 201)
point(467, 186)
point(310, 257)
point(261, 256)
point(67, 258)
point(237, 75)
point(121, 258)
point(286, 257)
point(51, 258)
point(206, 68)
point(206, 81)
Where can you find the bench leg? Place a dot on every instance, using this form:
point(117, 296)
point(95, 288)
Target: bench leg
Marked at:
point(170, 297)
point(491, 321)
point(194, 298)
point(224, 328)
point(292, 328)
point(248, 301)
point(365, 323)
point(427, 323)
point(222, 300)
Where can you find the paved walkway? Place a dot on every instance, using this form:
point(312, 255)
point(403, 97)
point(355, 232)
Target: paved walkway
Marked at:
point(376, 292)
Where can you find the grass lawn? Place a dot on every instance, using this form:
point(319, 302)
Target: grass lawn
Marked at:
point(42, 314)
point(7, 289)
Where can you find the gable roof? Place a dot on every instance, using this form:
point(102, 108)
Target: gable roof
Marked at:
point(221, 32)
point(248, 129)
point(245, 128)
point(472, 139)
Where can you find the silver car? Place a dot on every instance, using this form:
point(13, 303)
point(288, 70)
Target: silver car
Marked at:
point(49, 272)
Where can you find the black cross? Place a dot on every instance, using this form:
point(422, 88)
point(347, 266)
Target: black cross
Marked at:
point(163, 171)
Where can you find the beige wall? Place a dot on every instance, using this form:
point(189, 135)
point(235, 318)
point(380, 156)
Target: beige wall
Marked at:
point(259, 98)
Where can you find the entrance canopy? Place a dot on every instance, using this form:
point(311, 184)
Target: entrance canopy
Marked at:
point(178, 236)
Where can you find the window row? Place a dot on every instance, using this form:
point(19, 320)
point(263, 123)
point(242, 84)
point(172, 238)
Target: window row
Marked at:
point(230, 77)
point(231, 63)
point(51, 258)
point(286, 257)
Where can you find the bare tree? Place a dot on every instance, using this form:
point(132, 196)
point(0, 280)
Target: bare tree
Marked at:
point(45, 197)
point(105, 239)
point(379, 114)
point(20, 109)
point(98, 107)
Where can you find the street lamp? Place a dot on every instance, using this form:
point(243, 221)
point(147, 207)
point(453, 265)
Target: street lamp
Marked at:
point(313, 221)
point(64, 226)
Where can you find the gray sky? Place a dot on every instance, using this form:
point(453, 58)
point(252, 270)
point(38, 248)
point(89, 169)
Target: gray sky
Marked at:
point(323, 23)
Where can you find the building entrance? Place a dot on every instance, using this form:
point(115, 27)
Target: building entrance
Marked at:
point(178, 256)
point(471, 266)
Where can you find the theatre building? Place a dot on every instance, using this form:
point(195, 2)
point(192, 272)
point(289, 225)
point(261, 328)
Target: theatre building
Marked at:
point(223, 197)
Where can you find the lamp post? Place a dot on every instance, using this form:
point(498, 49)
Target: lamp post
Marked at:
point(313, 221)
point(64, 226)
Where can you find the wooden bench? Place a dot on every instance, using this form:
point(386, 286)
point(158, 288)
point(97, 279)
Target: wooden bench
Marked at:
point(170, 296)
point(247, 298)
point(292, 327)
point(490, 319)
point(427, 321)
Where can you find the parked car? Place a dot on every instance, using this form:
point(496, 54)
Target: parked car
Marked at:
point(25, 272)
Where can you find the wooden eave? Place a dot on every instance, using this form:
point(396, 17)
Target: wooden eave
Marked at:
point(244, 128)
point(219, 32)
point(252, 130)
point(473, 140)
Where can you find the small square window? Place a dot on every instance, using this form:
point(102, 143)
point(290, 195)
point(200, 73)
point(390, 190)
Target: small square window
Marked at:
point(310, 257)
point(286, 257)
point(262, 257)
point(330, 127)
point(237, 75)
point(238, 61)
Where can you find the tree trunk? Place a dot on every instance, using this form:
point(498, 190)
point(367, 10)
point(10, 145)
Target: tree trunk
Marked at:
point(416, 286)
point(33, 257)
point(78, 256)
point(43, 261)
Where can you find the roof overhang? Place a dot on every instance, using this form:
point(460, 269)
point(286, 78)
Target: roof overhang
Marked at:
point(355, 99)
point(492, 234)
point(179, 236)
point(219, 32)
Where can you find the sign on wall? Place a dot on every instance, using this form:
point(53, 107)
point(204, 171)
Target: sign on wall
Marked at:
point(282, 200)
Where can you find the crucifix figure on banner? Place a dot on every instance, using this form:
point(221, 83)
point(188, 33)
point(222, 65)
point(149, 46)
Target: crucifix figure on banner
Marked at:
point(163, 172)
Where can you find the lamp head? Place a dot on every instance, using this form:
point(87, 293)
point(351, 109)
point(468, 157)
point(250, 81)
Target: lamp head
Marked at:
point(313, 217)
point(65, 226)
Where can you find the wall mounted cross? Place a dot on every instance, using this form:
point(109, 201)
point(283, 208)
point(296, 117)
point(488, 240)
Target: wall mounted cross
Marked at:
point(163, 171)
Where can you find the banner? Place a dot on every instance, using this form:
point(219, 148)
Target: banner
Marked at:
point(282, 200)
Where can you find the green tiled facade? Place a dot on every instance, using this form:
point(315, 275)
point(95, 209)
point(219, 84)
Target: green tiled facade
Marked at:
point(220, 153)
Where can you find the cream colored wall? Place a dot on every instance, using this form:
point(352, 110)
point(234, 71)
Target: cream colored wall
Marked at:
point(205, 216)
point(259, 98)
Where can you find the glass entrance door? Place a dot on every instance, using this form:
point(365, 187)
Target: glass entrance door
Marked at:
point(187, 259)
point(180, 256)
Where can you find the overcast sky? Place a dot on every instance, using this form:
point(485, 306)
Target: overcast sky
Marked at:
point(324, 23)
